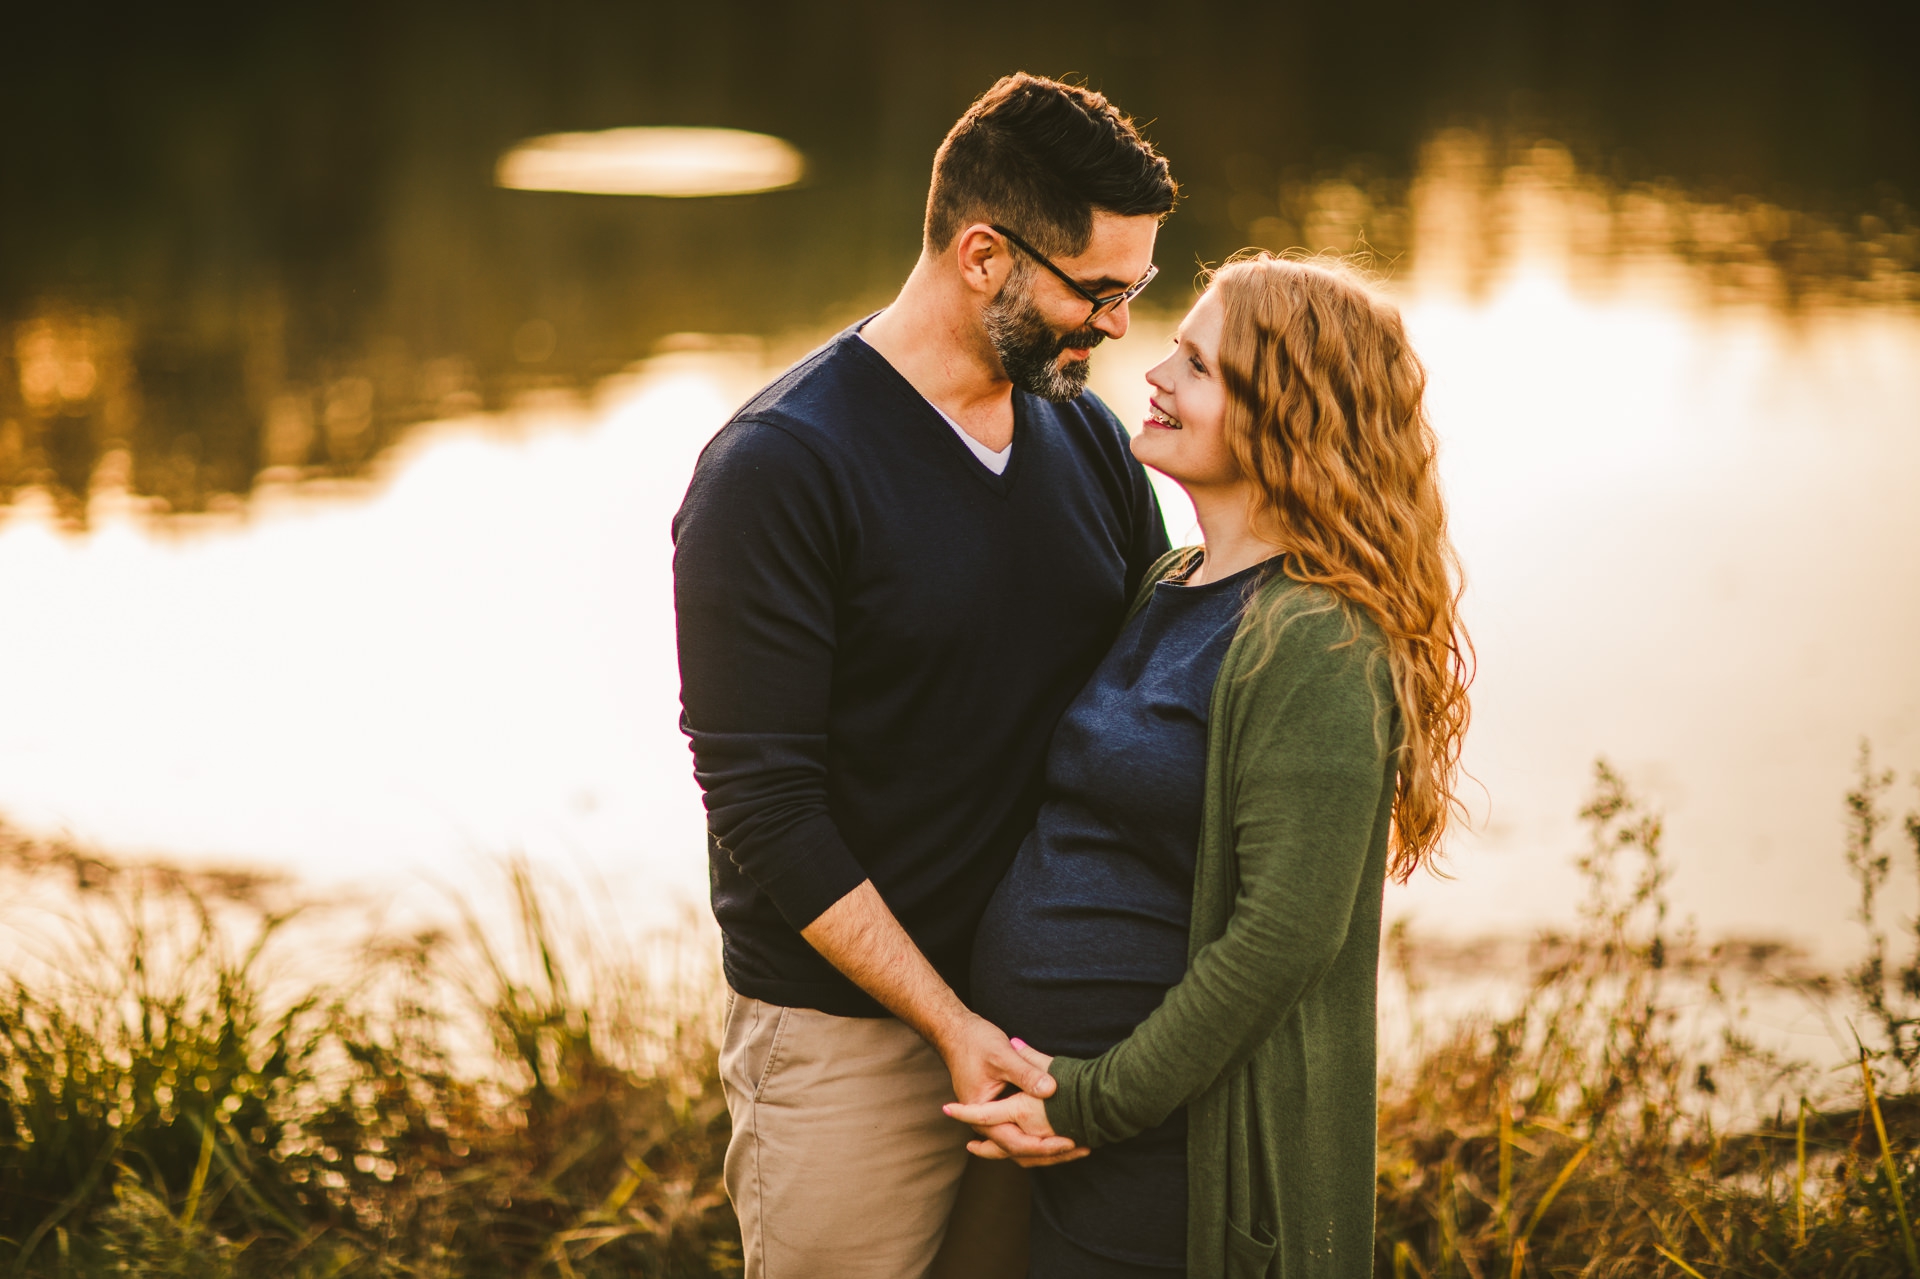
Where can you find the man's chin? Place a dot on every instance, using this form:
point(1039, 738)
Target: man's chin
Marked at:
point(1065, 381)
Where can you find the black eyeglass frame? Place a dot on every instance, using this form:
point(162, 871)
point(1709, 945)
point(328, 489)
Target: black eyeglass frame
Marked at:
point(1101, 305)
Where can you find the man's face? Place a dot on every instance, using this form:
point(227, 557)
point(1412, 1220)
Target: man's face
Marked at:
point(1038, 326)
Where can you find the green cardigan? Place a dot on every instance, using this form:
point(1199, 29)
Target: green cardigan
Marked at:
point(1269, 1038)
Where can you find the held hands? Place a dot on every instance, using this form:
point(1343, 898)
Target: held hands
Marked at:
point(1015, 1126)
point(860, 936)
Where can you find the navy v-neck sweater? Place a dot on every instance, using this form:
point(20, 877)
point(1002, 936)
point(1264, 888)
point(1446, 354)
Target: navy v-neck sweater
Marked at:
point(877, 635)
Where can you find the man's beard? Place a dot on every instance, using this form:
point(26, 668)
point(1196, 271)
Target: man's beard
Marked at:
point(1029, 348)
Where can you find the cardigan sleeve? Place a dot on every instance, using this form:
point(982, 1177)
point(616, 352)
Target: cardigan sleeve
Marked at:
point(1306, 745)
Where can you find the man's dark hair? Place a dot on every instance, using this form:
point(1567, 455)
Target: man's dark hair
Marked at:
point(1040, 156)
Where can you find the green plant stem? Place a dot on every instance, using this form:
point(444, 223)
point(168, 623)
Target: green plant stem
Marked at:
point(199, 1183)
point(1674, 1257)
point(1559, 1183)
point(1893, 1172)
point(1503, 1209)
point(1800, 1178)
point(101, 1162)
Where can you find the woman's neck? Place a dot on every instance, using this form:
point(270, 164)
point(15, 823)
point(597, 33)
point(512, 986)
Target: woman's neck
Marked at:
point(1227, 528)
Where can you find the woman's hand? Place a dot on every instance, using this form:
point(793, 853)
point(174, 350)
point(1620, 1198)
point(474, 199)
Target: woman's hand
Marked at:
point(1015, 1127)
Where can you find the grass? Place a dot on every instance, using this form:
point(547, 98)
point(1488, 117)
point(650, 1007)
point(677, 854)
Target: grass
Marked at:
point(170, 1105)
point(1621, 1123)
point(186, 1090)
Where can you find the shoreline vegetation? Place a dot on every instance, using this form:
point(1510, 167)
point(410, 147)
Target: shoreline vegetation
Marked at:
point(190, 1086)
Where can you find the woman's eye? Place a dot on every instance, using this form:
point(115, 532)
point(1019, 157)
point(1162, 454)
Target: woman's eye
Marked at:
point(1198, 367)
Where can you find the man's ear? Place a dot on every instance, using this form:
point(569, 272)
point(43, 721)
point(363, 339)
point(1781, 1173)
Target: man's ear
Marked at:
point(981, 258)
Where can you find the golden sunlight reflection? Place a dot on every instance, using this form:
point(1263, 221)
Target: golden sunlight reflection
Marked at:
point(478, 659)
point(1681, 476)
point(652, 161)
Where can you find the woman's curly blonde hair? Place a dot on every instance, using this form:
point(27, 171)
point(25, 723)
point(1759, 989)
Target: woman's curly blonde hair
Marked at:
point(1326, 415)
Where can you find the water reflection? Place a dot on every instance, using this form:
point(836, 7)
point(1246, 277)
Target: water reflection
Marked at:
point(1470, 211)
point(652, 161)
point(331, 543)
point(1685, 529)
point(471, 655)
point(202, 414)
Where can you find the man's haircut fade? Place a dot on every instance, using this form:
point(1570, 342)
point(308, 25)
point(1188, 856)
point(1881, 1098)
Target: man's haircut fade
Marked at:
point(1040, 156)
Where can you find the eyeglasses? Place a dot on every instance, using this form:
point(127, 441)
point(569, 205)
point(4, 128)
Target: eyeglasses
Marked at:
point(1101, 305)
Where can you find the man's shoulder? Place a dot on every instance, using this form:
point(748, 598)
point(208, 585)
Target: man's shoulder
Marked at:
point(799, 420)
point(818, 394)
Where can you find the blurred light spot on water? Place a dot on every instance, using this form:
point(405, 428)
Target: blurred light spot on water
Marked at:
point(534, 341)
point(654, 161)
point(474, 656)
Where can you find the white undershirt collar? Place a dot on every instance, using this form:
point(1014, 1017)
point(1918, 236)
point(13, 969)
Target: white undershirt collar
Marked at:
point(995, 462)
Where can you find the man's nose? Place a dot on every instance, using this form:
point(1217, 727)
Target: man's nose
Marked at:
point(1114, 322)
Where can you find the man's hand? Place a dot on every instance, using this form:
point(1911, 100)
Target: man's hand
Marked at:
point(860, 937)
point(983, 1061)
point(1015, 1127)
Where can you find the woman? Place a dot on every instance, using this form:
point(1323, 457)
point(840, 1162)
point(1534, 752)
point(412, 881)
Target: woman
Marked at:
point(1193, 928)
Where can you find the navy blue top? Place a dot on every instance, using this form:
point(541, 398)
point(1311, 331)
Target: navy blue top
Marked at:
point(1089, 928)
point(877, 635)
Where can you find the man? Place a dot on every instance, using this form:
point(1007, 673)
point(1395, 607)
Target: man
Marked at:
point(893, 569)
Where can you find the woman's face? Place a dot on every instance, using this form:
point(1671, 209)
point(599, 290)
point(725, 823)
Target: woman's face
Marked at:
point(1185, 431)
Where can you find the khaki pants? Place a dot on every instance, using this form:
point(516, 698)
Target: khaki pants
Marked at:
point(841, 1165)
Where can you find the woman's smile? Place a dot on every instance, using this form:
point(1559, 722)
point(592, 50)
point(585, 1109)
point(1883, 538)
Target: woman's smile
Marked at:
point(1186, 398)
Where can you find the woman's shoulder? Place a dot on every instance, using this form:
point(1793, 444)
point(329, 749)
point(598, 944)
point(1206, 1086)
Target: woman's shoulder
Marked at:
point(1312, 612)
point(1295, 629)
point(1308, 660)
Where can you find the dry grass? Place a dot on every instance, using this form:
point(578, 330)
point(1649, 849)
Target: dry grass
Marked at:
point(1602, 1131)
point(178, 1098)
point(450, 1105)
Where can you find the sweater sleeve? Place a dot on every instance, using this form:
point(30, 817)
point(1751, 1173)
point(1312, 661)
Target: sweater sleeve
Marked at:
point(1149, 528)
point(754, 573)
point(1306, 749)
point(1146, 534)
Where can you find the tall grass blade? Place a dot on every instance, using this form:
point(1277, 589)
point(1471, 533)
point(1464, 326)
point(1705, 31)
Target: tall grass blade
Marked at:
point(1800, 1178)
point(1674, 1257)
point(1449, 1227)
point(1502, 1211)
point(1546, 1202)
point(1706, 1232)
point(1893, 1171)
point(81, 1193)
point(199, 1183)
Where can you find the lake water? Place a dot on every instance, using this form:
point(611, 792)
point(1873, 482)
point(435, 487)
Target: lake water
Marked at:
point(1687, 518)
point(337, 481)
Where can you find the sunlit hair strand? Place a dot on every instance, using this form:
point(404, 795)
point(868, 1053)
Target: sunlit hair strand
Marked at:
point(1326, 414)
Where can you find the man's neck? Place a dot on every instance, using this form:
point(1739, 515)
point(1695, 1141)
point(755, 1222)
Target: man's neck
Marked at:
point(932, 336)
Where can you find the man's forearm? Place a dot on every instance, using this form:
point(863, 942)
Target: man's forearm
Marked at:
point(860, 936)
